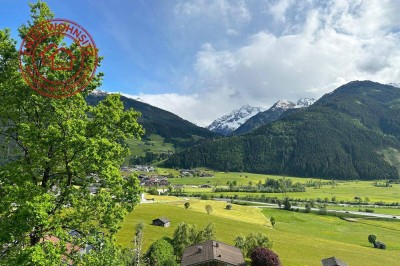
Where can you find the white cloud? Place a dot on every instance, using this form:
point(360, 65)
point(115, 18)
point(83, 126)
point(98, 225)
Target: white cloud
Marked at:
point(278, 9)
point(229, 14)
point(327, 46)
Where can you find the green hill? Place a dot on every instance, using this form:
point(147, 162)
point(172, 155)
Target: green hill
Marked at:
point(345, 135)
point(165, 131)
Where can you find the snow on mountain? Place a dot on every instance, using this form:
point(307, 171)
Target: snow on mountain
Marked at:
point(283, 104)
point(304, 102)
point(228, 123)
point(99, 92)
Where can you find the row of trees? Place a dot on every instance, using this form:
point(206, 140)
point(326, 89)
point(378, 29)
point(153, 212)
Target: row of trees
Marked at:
point(282, 185)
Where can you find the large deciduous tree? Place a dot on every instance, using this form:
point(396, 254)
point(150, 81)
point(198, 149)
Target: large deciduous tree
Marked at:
point(248, 243)
point(61, 148)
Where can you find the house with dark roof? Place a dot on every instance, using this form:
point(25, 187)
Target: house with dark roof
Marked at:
point(333, 262)
point(212, 253)
point(162, 221)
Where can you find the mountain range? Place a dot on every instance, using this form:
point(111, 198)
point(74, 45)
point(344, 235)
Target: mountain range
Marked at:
point(272, 114)
point(350, 133)
point(227, 124)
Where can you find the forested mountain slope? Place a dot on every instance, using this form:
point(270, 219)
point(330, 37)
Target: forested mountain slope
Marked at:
point(344, 135)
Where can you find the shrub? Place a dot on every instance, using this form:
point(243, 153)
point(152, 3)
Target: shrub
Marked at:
point(322, 211)
point(160, 253)
point(228, 207)
point(153, 191)
point(307, 207)
point(273, 221)
point(205, 196)
point(261, 256)
point(372, 239)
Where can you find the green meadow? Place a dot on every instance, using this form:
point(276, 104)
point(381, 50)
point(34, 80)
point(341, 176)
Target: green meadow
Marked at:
point(343, 190)
point(153, 143)
point(299, 238)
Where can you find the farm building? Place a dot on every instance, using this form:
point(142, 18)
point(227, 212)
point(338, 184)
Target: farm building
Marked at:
point(164, 222)
point(212, 253)
point(333, 262)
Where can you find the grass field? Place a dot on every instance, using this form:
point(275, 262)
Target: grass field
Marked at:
point(299, 238)
point(154, 143)
point(345, 191)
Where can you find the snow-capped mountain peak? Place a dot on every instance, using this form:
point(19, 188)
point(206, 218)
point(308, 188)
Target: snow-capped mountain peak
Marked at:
point(304, 102)
point(228, 123)
point(99, 92)
point(283, 104)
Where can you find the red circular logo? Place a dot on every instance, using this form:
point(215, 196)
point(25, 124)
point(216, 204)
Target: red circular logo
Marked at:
point(58, 58)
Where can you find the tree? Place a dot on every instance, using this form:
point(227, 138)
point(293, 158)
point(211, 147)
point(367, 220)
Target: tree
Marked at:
point(181, 238)
point(160, 253)
point(137, 242)
point(286, 204)
point(63, 147)
point(208, 232)
point(273, 221)
point(372, 239)
point(261, 256)
point(188, 234)
point(187, 205)
point(250, 242)
point(307, 207)
point(209, 209)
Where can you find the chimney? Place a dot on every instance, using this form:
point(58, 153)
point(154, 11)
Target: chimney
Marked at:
point(199, 249)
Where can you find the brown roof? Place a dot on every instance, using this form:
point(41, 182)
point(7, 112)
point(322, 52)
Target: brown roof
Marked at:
point(333, 262)
point(211, 251)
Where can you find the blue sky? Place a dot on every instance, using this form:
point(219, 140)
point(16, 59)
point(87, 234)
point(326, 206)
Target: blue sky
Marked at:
point(200, 59)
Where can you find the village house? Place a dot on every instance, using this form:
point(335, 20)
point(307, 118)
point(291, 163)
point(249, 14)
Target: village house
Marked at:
point(162, 221)
point(332, 261)
point(212, 253)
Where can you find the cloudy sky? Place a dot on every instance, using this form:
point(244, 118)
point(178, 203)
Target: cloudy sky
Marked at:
point(202, 58)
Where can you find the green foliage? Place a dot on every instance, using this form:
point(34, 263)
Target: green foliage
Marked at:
point(248, 243)
point(228, 207)
point(272, 221)
point(307, 207)
point(45, 190)
point(209, 209)
point(174, 131)
point(160, 252)
point(187, 205)
point(153, 191)
point(334, 138)
point(286, 204)
point(372, 239)
point(322, 211)
point(187, 234)
point(205, 197)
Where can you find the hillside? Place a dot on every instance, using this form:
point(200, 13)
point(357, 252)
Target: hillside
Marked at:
point(158, 121)
point(165, 131)
point(272, 114)
point(344, 135)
